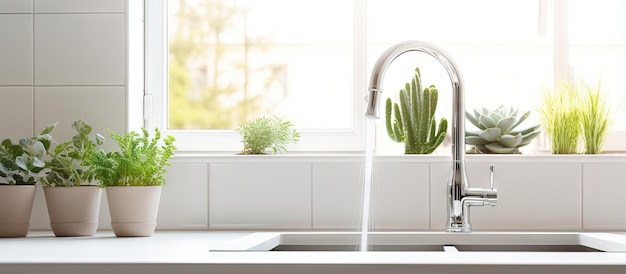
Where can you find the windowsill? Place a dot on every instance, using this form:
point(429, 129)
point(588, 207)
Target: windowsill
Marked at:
point(326, 157)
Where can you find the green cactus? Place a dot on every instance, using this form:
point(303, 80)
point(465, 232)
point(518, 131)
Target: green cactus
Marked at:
point(414, 119)
point(496, 131)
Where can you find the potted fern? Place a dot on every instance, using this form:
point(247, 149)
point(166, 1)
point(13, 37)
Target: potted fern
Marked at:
point(265, 134)
point(21, 167)
point(72, 199)
point(133, 176)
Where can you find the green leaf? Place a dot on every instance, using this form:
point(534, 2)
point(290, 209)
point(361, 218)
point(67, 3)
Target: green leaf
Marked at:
point(498, 148)
point(510, 140)
point(506, 124)
point(490, 134)
point(475, 141)
point(487, 121)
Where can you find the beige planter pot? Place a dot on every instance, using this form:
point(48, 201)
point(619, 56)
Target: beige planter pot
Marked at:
point(16, 206)
point(73, 210)
point(133, 209)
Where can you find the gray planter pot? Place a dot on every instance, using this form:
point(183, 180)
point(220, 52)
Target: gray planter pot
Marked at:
point(73, 210)
point(16, 206)
point(133, 209)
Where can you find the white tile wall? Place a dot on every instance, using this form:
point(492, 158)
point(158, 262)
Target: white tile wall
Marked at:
point(604, 205)
point(260, 196)
point(80, 49)
point(102, 107)
point(337, 191)
point(68, 6)
point(531, 196)
point(188, 181)
point(16, 112)
point(16, 49)
point(16, 6)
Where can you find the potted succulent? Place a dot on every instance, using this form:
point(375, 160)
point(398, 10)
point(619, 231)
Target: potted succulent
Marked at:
point(265, 133)
point(497, 133)
point(413, 121)
point(21, 167)
point(73, 201)
point(133, 176)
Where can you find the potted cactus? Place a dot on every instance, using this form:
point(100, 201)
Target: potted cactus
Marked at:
point(72, 199)
point(413, 121)
point(21, 167)
point(497, 133)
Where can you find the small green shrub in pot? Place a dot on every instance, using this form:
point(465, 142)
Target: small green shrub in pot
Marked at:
point(264, 133)
point(133, 177)
point(22, 166)
point(72, 199)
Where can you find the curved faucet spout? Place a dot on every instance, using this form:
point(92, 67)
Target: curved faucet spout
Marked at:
point(458, 185)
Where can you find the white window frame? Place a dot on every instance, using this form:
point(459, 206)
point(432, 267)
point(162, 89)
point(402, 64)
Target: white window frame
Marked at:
point(155, 103)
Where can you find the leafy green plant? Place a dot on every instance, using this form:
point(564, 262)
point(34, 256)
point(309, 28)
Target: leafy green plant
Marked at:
point(496, 130)
point(596, 118)
point(24, 163)
point(265, 133)
point(69, 163)
point(561, 118)
point(413, 121)
point(139, 161)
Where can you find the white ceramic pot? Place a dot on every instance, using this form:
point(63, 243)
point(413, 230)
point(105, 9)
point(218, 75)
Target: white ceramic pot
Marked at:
point(133, 209)
point(73, 210)
point(16, 206)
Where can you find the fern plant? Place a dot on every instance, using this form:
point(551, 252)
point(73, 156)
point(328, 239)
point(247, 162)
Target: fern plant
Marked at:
point(264, 133)
point(139, 161)
point(69, 163)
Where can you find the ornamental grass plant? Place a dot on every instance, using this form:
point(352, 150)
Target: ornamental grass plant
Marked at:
point(596, 117)
point(561, 118)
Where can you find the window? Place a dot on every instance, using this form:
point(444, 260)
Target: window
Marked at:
point(308, 61)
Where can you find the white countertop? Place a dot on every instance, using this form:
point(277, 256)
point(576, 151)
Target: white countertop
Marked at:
point(188, 252)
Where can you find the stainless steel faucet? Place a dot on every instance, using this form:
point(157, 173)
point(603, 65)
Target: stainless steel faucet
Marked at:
point(460, 195)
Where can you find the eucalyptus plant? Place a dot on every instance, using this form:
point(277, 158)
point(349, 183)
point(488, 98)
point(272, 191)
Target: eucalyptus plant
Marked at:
point(140, 160)
point(69, 163)
point(24, 163)
point(265, 133)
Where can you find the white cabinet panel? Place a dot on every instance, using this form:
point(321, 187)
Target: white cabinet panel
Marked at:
point(260, 195)
point(61, 6)
point(188, 183)
point(16, 6)
point(16, 49)
point(79, 49)
point(399, 201)
point(531, 196)
point(16, 113)
point(604, 186)
point(101, 107)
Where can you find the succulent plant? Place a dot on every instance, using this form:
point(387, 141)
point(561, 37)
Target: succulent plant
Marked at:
point(496, 130)
point(414, 119)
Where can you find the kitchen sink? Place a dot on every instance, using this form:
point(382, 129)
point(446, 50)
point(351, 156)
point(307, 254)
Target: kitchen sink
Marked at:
point(430, 242)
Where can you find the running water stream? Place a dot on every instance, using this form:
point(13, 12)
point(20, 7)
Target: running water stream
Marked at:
point(367, 181)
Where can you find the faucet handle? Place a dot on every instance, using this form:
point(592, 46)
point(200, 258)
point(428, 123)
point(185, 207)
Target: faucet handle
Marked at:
point(491, 171)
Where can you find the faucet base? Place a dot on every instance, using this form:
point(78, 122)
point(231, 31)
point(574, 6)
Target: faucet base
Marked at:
point(458, 228)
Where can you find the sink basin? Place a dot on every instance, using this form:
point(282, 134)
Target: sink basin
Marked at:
point(431, 242)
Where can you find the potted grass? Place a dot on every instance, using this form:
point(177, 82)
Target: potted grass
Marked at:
point(21, 167)
point(72, 198)
point(133, 176)
point(561, 118)
point(267, 134)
